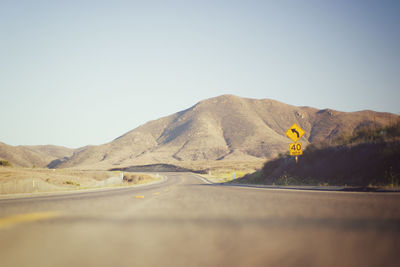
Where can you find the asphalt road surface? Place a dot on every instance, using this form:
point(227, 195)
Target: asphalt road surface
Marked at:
point(184, 221)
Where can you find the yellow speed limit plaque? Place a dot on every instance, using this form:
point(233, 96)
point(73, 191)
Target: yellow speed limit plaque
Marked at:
point(296, 149)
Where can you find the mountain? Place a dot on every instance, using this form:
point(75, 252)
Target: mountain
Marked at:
point(224, 128)
point(33, 156)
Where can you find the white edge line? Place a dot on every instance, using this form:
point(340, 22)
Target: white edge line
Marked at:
point(203, 179)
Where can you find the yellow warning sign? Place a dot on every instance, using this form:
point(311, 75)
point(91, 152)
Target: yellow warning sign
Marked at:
point(296, 149)
point(295, 132)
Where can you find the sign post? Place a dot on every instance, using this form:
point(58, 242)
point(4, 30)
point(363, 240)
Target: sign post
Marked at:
point(295, 133)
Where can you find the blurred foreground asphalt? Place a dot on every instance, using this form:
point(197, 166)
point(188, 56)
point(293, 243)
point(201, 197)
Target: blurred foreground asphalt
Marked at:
point(184, 221)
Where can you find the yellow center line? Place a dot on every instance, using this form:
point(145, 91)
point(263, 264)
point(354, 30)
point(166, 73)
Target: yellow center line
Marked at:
point(156, 193)
point(27, 217)
point(139, 196)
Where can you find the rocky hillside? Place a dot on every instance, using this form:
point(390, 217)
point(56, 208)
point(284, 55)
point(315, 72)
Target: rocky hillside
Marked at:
point(33, 156)
point(224, 128)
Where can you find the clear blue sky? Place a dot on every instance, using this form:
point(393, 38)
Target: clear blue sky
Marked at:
point(81, 72)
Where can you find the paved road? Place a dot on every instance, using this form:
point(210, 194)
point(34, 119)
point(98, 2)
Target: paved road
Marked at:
point(184, 221)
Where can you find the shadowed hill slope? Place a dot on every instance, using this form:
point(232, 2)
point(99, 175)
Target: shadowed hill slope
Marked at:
point(226, 128)
point(371, 156)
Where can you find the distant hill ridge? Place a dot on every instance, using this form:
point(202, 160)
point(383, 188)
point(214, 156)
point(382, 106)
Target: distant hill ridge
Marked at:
point(33, 156)
point(223, 128)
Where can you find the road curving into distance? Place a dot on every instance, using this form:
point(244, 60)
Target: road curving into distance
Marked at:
point(185, 221)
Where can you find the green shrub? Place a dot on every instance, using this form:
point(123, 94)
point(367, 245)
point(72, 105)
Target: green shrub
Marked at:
point(5, 163)
point(69, 182)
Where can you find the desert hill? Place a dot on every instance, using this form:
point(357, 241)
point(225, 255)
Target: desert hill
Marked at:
point(224, 128)
point(33, 156)
point(368, 158)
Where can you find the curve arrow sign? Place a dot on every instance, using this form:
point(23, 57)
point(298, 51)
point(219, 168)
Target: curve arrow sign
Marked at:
point(296, 132)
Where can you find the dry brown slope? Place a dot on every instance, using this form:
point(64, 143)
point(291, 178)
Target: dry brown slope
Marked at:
point(33, 156)
point(222, 128)
point(52, 150)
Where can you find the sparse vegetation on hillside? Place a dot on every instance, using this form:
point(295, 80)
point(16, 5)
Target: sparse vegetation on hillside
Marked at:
point(370, 157)
point(5, 163)
point(369, 134)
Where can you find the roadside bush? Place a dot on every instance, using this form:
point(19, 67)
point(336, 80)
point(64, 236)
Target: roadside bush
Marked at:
point(136, 178)
point(69, 182)
point(370, 134)
point(393, 131)
point(369, 157)
point(357, 165)
point(5, 163)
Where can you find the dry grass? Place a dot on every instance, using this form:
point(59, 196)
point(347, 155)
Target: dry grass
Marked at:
point(28, 180)
point(222, 171)
point(224, 175)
